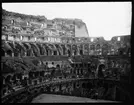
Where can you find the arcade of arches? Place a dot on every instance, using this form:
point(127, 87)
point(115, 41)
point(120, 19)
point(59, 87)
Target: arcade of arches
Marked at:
point(34, 63)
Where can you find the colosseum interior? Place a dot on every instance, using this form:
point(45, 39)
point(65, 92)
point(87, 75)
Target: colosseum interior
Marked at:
point(42, 56)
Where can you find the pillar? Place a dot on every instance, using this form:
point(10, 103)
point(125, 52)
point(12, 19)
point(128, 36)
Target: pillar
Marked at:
point(35, 39)
point(12, 54)
point(57, 52)
point(78, 52)
point(52, 52)
point(21, 38)
point(6, 54)
point(32, 54)
point(25, 54)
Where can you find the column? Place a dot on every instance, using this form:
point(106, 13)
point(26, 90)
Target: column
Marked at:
point(12, 54)
point(6, 54)
point(35, 39)
point(52, 52)
point(78, 50)
point(32, 54)
point(21, 38)
point(25, 54)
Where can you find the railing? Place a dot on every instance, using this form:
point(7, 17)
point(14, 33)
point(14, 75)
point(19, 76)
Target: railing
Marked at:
point(32, 87)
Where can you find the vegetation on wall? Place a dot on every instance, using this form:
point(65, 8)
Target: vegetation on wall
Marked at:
point(24, 17)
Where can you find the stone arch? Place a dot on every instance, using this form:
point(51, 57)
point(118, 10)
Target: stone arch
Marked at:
point(25, 45)
point(100, 73)
point(83, 85)
point(15, 50)
point(24, 49)
point(74, 49)
point(44, 49)
point(98, 46)
point(48, 51)
point(3, 52)
point(69, 52)
point(8, 78)
point(86, 49)
point(59, 49)
point(9, 52)
point(63, 49)
point(18, 48)
point(6, 47)
point(92, 47)
point(121, 51)
point(41, 48)
point(80, 49)
point(28, 48)
point(98, 49)
point(68, 46)
point(56, 50)
point(105, 49)
point(34, 49)
point(21, 49)
point(52, 48)
point(37, 48)
point(58, 66)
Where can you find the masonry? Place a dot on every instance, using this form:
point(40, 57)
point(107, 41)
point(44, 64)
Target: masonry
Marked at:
point(58, 56)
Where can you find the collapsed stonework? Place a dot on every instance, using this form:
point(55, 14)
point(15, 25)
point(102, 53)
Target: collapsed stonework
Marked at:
point(41, 55)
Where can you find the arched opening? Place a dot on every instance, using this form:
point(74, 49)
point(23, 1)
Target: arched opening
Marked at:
point(100, 70)
point(75, 52)
point(27, 49)
point(83, 85)
point(2, 52)
point(98, 49)
point(69, 52)
point(64, 49)
point(9, 52)
point(59, 49)
point(86, 49)
point(129, 51)
point(48, 49)
point(35, 50)
point(77, 85)
point(54, 52)
point(8, 79)
point(92, 47)
point(45, 49)
point(57, 66)
point(41, 48)
point(105, 49)
point(20, 49)
point(81, 52)
point(14, 50)
point(120, 52)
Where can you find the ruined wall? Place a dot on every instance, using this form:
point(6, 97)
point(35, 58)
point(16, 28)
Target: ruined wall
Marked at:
point(81, 29)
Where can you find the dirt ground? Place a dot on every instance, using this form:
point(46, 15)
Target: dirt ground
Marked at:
point(50, 98)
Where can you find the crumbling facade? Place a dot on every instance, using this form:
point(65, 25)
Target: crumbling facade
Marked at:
point(42, 50)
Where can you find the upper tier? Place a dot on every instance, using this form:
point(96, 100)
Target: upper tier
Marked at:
point(17, 23)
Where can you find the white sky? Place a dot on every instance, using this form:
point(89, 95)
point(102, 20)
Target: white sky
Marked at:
point(105, 19)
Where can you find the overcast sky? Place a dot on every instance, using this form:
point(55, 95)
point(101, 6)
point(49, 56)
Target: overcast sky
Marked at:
point(105, 19)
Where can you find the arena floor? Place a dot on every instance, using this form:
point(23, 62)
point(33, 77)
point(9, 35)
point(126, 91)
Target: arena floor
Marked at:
point(50, 98)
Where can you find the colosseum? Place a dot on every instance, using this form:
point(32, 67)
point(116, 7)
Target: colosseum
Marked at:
point(42, 56)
